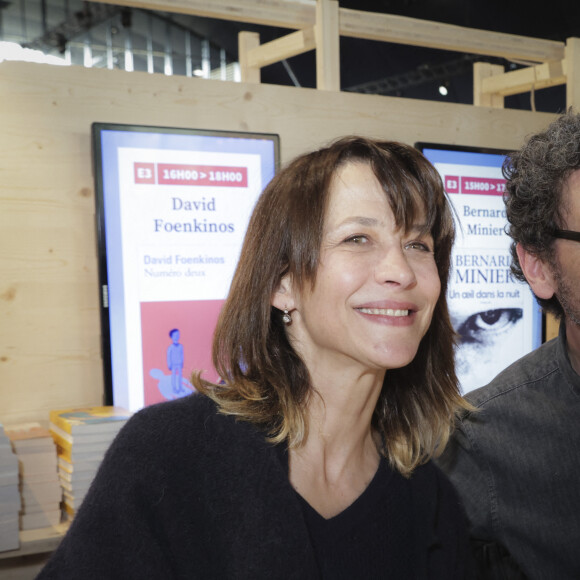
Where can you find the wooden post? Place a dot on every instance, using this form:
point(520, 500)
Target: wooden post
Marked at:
point(327, 35)
point(572, 52)
point(482, 70)
point(246, 42)
point(552, 326)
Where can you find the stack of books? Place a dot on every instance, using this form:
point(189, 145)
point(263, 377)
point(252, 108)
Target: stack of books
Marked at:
point(40, 491)
point(82, 437)
point(9, 495)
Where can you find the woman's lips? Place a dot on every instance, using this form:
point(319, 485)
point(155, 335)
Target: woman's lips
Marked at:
point(389, 312)
point(385, 311)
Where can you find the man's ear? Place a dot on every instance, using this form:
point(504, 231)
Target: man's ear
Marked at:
point(283, 296)
point(538, 274)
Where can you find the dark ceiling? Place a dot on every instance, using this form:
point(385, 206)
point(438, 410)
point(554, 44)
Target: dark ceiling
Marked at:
point(415, 72)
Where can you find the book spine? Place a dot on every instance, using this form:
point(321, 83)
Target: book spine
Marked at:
point(56, 418)
point(61, 443)
point(63, 452)
point(55, 429)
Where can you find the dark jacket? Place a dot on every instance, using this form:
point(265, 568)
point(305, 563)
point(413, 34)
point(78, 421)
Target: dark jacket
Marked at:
point(514, 462)
point(185, 492)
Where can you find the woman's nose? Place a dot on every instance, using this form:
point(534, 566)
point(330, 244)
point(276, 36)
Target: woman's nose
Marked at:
point(393, 267)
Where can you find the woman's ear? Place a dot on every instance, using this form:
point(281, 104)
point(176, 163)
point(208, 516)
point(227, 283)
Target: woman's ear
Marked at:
point(283, 296)
point(537, 272)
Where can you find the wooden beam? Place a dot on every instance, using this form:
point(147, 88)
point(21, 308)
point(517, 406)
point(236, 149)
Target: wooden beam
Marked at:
point(327, 45)
point(293, 14)
point(247, 43)
point(552, 326)
point(415, 32)
point(481, 72)
point(573, 73)
point(299, 14)
point(324, 37)
point(542, 76)
point(285, 47)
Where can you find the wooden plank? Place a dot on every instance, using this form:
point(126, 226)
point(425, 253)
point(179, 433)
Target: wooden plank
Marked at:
point(541, 76)
point(552, 326)
point(573, 73)
point(293, 14)
point(298, 14)
point(247, 43)
point(482, 71)
point(415, 32)
point(327, 46)
point(285, 47)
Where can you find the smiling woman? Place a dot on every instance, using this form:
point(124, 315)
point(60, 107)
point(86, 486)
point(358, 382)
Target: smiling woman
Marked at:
point(311, 458)
point(374, 278)
point(308, 214)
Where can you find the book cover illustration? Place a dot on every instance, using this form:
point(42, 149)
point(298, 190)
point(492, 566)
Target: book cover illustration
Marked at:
point(177, 340)
point(93, 419)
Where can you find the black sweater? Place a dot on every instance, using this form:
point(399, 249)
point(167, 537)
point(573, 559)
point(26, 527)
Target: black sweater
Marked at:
point(185, 492)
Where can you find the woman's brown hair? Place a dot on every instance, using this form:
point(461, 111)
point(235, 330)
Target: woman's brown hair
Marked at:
point(266, 382)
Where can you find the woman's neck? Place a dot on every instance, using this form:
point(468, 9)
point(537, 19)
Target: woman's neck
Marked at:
point(340, 455)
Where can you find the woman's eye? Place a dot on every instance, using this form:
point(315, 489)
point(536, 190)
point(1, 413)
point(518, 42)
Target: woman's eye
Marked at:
point(422, 246)
point(357, 240)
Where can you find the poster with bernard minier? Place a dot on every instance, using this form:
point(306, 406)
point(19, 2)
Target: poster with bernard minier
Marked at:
point(495, 316)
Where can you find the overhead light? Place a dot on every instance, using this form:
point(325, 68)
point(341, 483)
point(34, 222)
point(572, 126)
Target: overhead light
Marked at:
point(444, 89)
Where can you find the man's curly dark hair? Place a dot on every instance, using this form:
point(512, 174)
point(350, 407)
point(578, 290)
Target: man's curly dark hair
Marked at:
point(536, 177)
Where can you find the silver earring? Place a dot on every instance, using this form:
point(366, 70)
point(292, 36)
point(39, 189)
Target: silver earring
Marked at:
point(286, 318)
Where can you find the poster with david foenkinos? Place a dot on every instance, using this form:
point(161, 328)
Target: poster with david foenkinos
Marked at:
point(184, 224)
point(173, 206)
point(496, 316)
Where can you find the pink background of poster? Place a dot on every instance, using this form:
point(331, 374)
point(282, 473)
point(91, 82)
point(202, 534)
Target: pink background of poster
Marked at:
point(196, 322)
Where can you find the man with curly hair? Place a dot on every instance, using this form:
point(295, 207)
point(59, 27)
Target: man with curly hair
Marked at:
point(515, 459)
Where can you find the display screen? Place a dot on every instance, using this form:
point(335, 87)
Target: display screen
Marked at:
point(172, 210)
point(496, 316)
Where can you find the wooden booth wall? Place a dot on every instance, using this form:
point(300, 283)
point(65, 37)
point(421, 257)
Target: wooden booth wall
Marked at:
point(49, 311)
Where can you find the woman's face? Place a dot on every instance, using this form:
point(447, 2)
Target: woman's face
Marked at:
point(376, 286)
